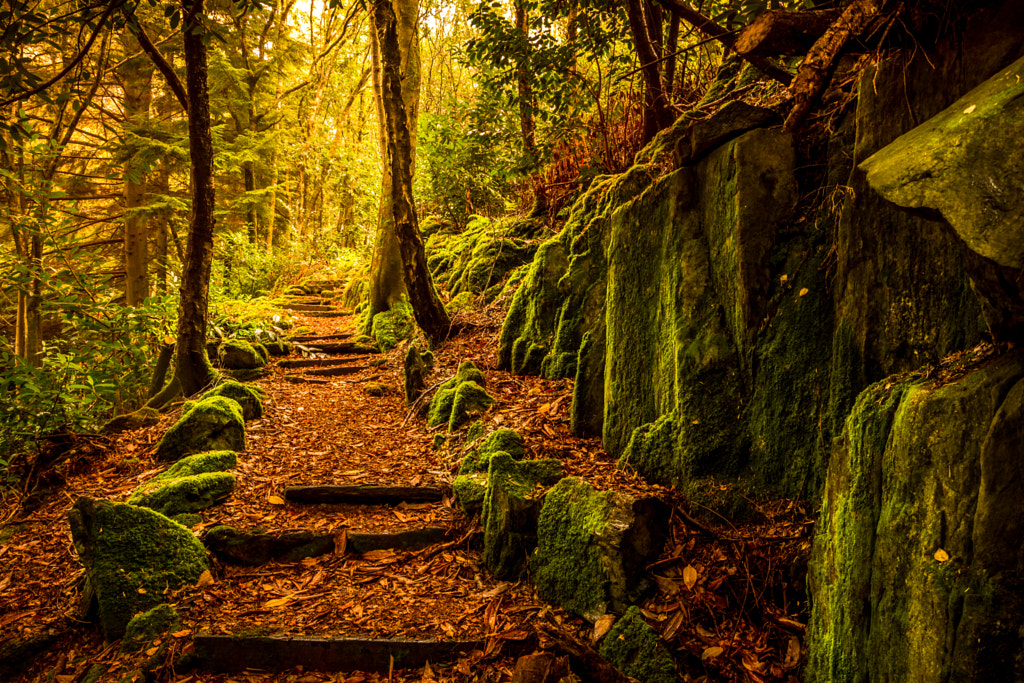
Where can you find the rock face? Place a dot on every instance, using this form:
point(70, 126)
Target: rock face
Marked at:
point(190, 485)
point(249, 398)
point(459, 399)
point(592, 548)
point(214, 423)
point(132, 557)
point(917, 568)
point(512, 503)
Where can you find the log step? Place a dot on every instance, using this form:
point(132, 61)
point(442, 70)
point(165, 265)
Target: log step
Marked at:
point(299, 379)
point(363, 495)
point(317, 362)
point(221, 653)
point(310, 308)
point(340, 348)
point(315, 337)
point(258, 547)
point(327, 314)
point(337, 371)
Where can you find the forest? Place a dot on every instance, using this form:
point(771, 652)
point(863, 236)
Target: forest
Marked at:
point(511, 340)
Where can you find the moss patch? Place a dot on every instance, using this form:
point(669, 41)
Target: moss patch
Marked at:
point(214, 423)
point(393, 326)
point(148, 627)
point(473, 398)
point(187, 494)
point(237, 354)
point(633, 648)
point(250, 398)
point(469, 490)
point(503, 440)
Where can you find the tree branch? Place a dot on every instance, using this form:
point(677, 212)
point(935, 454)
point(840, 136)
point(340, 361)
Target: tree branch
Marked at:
point(160, 62)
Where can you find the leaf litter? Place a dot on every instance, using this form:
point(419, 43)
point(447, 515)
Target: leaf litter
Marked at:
point(730, 605)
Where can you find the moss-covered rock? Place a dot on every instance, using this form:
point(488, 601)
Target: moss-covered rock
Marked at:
point(474, 260)
point(147, 627)
point(133, 558)
point(249, 398)
point(375, 388)
point(592, 547)
point(469, 491)
point(187, 494)
point(393, 326)
point(512, 503)
point(143, 417)
point(633, 648)
point(473, 398)
point(916, 570)
point(278, 347)
point(418, 366)
point(461, 302)
point(237, 354)
point(501, 440)
point(212, 424)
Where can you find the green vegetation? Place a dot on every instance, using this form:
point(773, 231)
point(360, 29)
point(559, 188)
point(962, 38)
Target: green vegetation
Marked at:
point(633, 648)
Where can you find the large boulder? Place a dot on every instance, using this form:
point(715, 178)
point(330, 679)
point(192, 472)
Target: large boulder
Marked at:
point(593, 547)
point(511, 506)
point(215, 423)
point(236, 354)
point(192, 484)
point(250, 398)
point(133, 558)
point(917, 569)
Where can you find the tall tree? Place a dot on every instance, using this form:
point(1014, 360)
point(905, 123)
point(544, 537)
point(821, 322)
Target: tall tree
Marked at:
point(427, 307)
point(387, 284)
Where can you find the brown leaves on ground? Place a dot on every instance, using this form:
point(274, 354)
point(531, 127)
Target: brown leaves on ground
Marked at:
point(730, 608)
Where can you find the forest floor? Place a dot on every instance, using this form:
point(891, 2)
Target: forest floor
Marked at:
point(729, 602)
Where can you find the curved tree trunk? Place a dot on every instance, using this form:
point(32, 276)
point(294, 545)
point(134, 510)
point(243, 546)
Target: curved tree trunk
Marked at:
point(387, 284)
point(194, 372)
point(427, 307)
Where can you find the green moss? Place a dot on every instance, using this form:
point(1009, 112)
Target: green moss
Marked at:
point(566, 566)
point(633, 648)
point(301, 331)
point(393, 326)
point(189, 520)
point(187, 494)
point(250, 398)
point(469, 491)
point(463, 301)
point(510, 508)
point(237, 354)
point(214, 423)
point(500, 440)
point(444, 400)
point(200, 463)
point(145, 628)
point(475, 431)
point(246, 375)
point(134, 558)
point(375, 388)
point(470, 400)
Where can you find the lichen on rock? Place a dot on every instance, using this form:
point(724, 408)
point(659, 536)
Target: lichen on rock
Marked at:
point(133, 557)
point(214, 423)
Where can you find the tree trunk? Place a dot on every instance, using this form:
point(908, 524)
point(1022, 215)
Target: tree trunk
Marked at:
point(194, 372)
point(656, 111)
point(136, 78)
point(527, 119)
point(387, 284)
point(249, 181)
point(427, 307)
point(670, 59)
point(785, 32)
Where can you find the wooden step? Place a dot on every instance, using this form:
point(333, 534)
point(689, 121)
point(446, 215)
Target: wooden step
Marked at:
point(318, 362)
point(363, 495)
point(337, 371)
point(339, 348)
point(327, 314)
point(258, 547)
point(322, 337)
point(230, 653)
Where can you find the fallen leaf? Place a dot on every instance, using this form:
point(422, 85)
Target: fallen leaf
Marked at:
point(941, 555)
point(428, 673)
point(705, 633)
point(792, 653)
point(496, 591)
point(205, 579)
point(783, 279)
point(752, 663)
point(689, 577)
point(340, 542)
point(602, 626)
point(275, 500)
point(182, 634)
point(277, 602)
point(711, 653)
point(152, 651)
point(804, 291)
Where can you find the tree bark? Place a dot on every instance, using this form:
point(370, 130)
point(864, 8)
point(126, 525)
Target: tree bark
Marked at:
point(387, 284)
point(784, 32)
point(527, 119)
point(136, 78)
point(656, 112)
point(193, 371)
point(815, 71)
point(427, 307)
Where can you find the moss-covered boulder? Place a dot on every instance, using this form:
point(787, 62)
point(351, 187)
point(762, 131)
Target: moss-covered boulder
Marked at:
point(512, 503)
point(143, 417)
point(469, 490)
point(133, 558)
point(237, 354)
point(150, 626)
point(186, 494)
point(418, 366)
point(212, 424)
point(375, 389)
point(593, 547)
point(916, 570)
point(250, 398)
point(278, 347)
point(393, 326)
point(633, 647)
point(460, 398)
point(500, 440)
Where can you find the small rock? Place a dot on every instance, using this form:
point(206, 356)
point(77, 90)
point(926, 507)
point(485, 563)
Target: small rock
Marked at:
point(236, 354)
point(633, 648)
point(375, 388)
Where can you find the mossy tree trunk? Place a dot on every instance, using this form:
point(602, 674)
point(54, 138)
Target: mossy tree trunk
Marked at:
point(387, 284)
point(427, 307)
point(193, 371)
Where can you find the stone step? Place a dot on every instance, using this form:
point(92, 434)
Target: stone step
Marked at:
point(363, 495)
point(301, 339)
point(336, 371)
point(327, 314)
point(232, 653)
point(310, 308)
